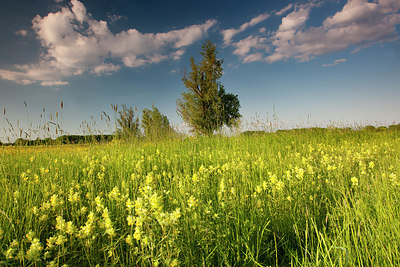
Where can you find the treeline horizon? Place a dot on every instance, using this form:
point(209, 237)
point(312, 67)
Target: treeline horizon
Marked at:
point(105, 138)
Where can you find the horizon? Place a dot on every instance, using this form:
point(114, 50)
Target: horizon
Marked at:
point(313, 63)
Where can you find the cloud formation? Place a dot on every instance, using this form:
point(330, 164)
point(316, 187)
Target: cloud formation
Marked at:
point(54, 83)
point(75, 43)
point(358, 24)
point(22, 32)
point(230, 33)
point(337, 61)
point(250, 44)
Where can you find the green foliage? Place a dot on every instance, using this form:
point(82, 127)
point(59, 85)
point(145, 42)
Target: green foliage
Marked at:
point(127, 124)
point(155, 124)
point(294, 198)
point(206, 106)
point(394, 127)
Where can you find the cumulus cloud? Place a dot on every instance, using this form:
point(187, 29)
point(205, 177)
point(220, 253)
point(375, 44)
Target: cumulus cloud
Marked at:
point(248, 47)
point(337, 61)
point(358, 24)
point(230, 33)
point(75, 43)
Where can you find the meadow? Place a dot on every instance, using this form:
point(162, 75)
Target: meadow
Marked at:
point(311, 198)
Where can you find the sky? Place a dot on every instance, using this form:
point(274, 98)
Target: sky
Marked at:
point(302, 63)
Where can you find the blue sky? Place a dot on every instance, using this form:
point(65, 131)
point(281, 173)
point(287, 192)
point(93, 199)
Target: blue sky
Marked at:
point(310, 62)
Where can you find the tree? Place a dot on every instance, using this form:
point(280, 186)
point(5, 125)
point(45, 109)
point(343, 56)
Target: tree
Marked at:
point(155, 125)
point(127, 124)
point(206, 106)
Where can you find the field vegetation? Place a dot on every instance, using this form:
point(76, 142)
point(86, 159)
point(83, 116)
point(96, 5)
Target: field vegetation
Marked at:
point(292, 198)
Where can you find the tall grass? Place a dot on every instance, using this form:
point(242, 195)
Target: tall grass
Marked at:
point(311, 198)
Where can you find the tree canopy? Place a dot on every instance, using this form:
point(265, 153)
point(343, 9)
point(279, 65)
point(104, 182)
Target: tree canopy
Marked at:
point(155, 124)
point(206, 106)
point(127, 124)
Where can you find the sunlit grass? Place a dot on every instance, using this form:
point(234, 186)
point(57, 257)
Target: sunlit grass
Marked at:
point(290, 198)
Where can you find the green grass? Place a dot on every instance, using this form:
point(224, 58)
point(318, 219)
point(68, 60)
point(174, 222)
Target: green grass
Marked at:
point(318, 198)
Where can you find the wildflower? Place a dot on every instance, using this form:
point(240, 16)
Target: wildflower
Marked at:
point(55, 201)
point(138, 233)
point(99, 204)
point(60, 223)
point(50, 242)
point(264, 185)
point(258, 189)
point(174, 263)
point(192, 202)
point(129, 240)
point(9, 253)
point(175, 215)
point(114, 194)
point(131, 220)
point(83, 210)
point(371, 165)
point(30, 235)
point(73, 197)
point(108, 223)
point(156, 202)
point(130, 205)
point(354, 181)
point(70, 228)
point(87, 229)
point(393, 179)
point(33, 253)
point(232, 190)
point(61, 240)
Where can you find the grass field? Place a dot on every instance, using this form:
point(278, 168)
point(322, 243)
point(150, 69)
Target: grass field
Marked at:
point(312, 198)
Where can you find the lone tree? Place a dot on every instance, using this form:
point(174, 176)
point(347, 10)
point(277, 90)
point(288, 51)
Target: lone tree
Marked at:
point(155, 124)
point(127, 124)
point(206, 106)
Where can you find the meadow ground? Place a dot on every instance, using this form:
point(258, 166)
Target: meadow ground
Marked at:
point(312, 198)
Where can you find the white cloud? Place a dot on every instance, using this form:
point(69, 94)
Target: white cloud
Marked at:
point(75, 43)
point(248, 48)
point(358, 23)
point(106, 68)
point(21, 32)
point(253, 57)
point(229, 33)
point(54, 83)
point(337, 61)
point(177, 54)
point(79, 11)
point(284, 10)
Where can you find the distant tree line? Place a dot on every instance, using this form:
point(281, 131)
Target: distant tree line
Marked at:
point(65, 139)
